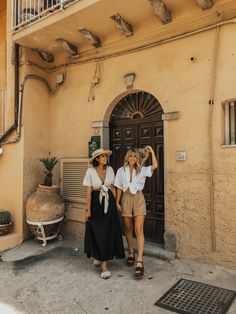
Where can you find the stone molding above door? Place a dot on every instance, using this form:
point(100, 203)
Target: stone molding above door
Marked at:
point(102, 128)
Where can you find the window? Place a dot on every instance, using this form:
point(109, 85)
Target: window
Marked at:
point(72, 174)
point(230, 122)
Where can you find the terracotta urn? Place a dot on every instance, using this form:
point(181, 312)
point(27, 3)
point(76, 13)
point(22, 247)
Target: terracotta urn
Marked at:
point(45, 211)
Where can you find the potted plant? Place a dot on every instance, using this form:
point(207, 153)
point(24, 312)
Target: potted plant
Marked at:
point(49, 164)
point(45, 207)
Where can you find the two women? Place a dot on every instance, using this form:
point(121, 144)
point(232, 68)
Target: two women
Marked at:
point(103, 239)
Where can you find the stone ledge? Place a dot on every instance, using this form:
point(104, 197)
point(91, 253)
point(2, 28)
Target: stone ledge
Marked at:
point(76, 213)
point(154, 250)
point(9, 241)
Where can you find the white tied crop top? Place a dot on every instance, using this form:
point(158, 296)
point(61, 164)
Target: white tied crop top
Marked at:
point(92, 179)
point(122, 180)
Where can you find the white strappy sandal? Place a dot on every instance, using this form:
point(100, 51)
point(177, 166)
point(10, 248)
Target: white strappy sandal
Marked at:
point(105, 274)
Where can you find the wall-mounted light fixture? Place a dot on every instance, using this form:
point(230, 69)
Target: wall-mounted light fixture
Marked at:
point(67, 46)
point(129, 80)
point(43, 55)
point(161, 11)
point(91, 38)
point(205, 4)
point(122, 25)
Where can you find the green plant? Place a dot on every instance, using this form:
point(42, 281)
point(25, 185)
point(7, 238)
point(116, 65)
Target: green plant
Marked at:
point(5, 217)
point(49, 164)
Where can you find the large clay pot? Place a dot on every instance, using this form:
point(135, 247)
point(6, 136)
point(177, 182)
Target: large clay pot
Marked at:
point(45, 208)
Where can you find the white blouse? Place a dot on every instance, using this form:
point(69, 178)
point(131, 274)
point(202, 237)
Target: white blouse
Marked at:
point(92, 179)
point(122, 180)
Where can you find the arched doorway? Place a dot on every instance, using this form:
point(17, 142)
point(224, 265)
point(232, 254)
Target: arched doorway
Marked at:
point(136, 121)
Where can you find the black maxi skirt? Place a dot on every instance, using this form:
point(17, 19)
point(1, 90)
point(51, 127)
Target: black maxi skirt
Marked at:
point(103, 237)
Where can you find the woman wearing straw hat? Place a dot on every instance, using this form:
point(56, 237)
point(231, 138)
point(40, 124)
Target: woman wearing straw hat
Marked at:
point(103, 237)
point(130, 181)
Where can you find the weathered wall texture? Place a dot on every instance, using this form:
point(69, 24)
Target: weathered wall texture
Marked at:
point(180, 85)
point(187, 185)
point(2, 65)
point(11, 163)
point(2, 48)
point(179, 75)
point(36, 130)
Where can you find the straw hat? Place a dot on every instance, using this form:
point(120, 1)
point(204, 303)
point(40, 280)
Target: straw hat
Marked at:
point(99, 152)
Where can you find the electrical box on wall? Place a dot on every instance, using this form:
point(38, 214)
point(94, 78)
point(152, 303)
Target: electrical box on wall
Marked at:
point(94, 144)
point(181, 155)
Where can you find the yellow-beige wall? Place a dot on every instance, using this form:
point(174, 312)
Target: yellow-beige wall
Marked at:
point(181, 85)
point(11, 162)
point(2, 48)
point(61, 125)
point(2, 64)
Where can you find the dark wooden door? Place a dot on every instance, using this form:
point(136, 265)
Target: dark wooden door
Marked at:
point(137, 133)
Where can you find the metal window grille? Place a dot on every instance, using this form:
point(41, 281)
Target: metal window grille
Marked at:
point(230, 122)
point(72, 174)
point(25, 12)
point(2, 109)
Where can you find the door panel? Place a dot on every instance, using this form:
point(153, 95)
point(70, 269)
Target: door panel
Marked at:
point(124, 136)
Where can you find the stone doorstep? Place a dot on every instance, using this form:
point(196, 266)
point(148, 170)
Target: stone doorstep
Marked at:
point(154, 250)
point(74, 213)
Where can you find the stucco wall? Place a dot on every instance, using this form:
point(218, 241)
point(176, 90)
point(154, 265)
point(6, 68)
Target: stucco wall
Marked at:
point(2, 63)
point(180, 84)
point(36, 131)
point(11, 162)
point(179, 75)
point(2, 48)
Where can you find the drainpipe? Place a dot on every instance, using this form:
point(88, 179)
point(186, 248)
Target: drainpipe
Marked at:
point(19, 93)
point(211, 166)
point(16, 96)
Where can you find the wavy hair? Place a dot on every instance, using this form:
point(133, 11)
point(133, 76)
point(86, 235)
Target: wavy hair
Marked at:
point(137, 155)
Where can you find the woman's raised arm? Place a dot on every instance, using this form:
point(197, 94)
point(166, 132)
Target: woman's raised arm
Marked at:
point(154, 159)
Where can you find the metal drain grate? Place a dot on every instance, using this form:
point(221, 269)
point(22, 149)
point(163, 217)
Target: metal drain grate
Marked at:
point(191, 297)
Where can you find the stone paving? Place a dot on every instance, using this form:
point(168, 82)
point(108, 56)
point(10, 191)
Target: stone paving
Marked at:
point(59, 279)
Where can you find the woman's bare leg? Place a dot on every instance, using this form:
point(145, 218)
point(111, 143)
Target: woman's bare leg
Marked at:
point(104, 266)
point(105, 274)
point(128, 233)
point(139, 223)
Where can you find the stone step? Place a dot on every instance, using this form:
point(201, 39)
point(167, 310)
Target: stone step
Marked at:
point(154, 250)
point(9, 241)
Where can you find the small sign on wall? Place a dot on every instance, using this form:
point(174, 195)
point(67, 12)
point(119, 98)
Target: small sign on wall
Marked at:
point(180, 155)
point(170, 115)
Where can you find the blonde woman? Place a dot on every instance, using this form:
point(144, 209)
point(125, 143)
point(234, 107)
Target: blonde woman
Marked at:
point(130, 180)
point(103, 238)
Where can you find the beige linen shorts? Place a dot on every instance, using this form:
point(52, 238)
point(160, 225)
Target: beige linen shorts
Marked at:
point(133, 204)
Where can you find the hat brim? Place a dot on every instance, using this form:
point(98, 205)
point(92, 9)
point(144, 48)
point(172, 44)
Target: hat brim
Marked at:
point(105, 152)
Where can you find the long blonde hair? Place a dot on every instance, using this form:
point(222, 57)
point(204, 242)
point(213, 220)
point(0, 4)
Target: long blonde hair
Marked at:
point(137, 155)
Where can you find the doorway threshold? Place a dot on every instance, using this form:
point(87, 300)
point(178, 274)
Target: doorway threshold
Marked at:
point(154, 250)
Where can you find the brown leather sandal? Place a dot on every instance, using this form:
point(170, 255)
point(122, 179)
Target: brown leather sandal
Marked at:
point(139, 271)
point(130, 260)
